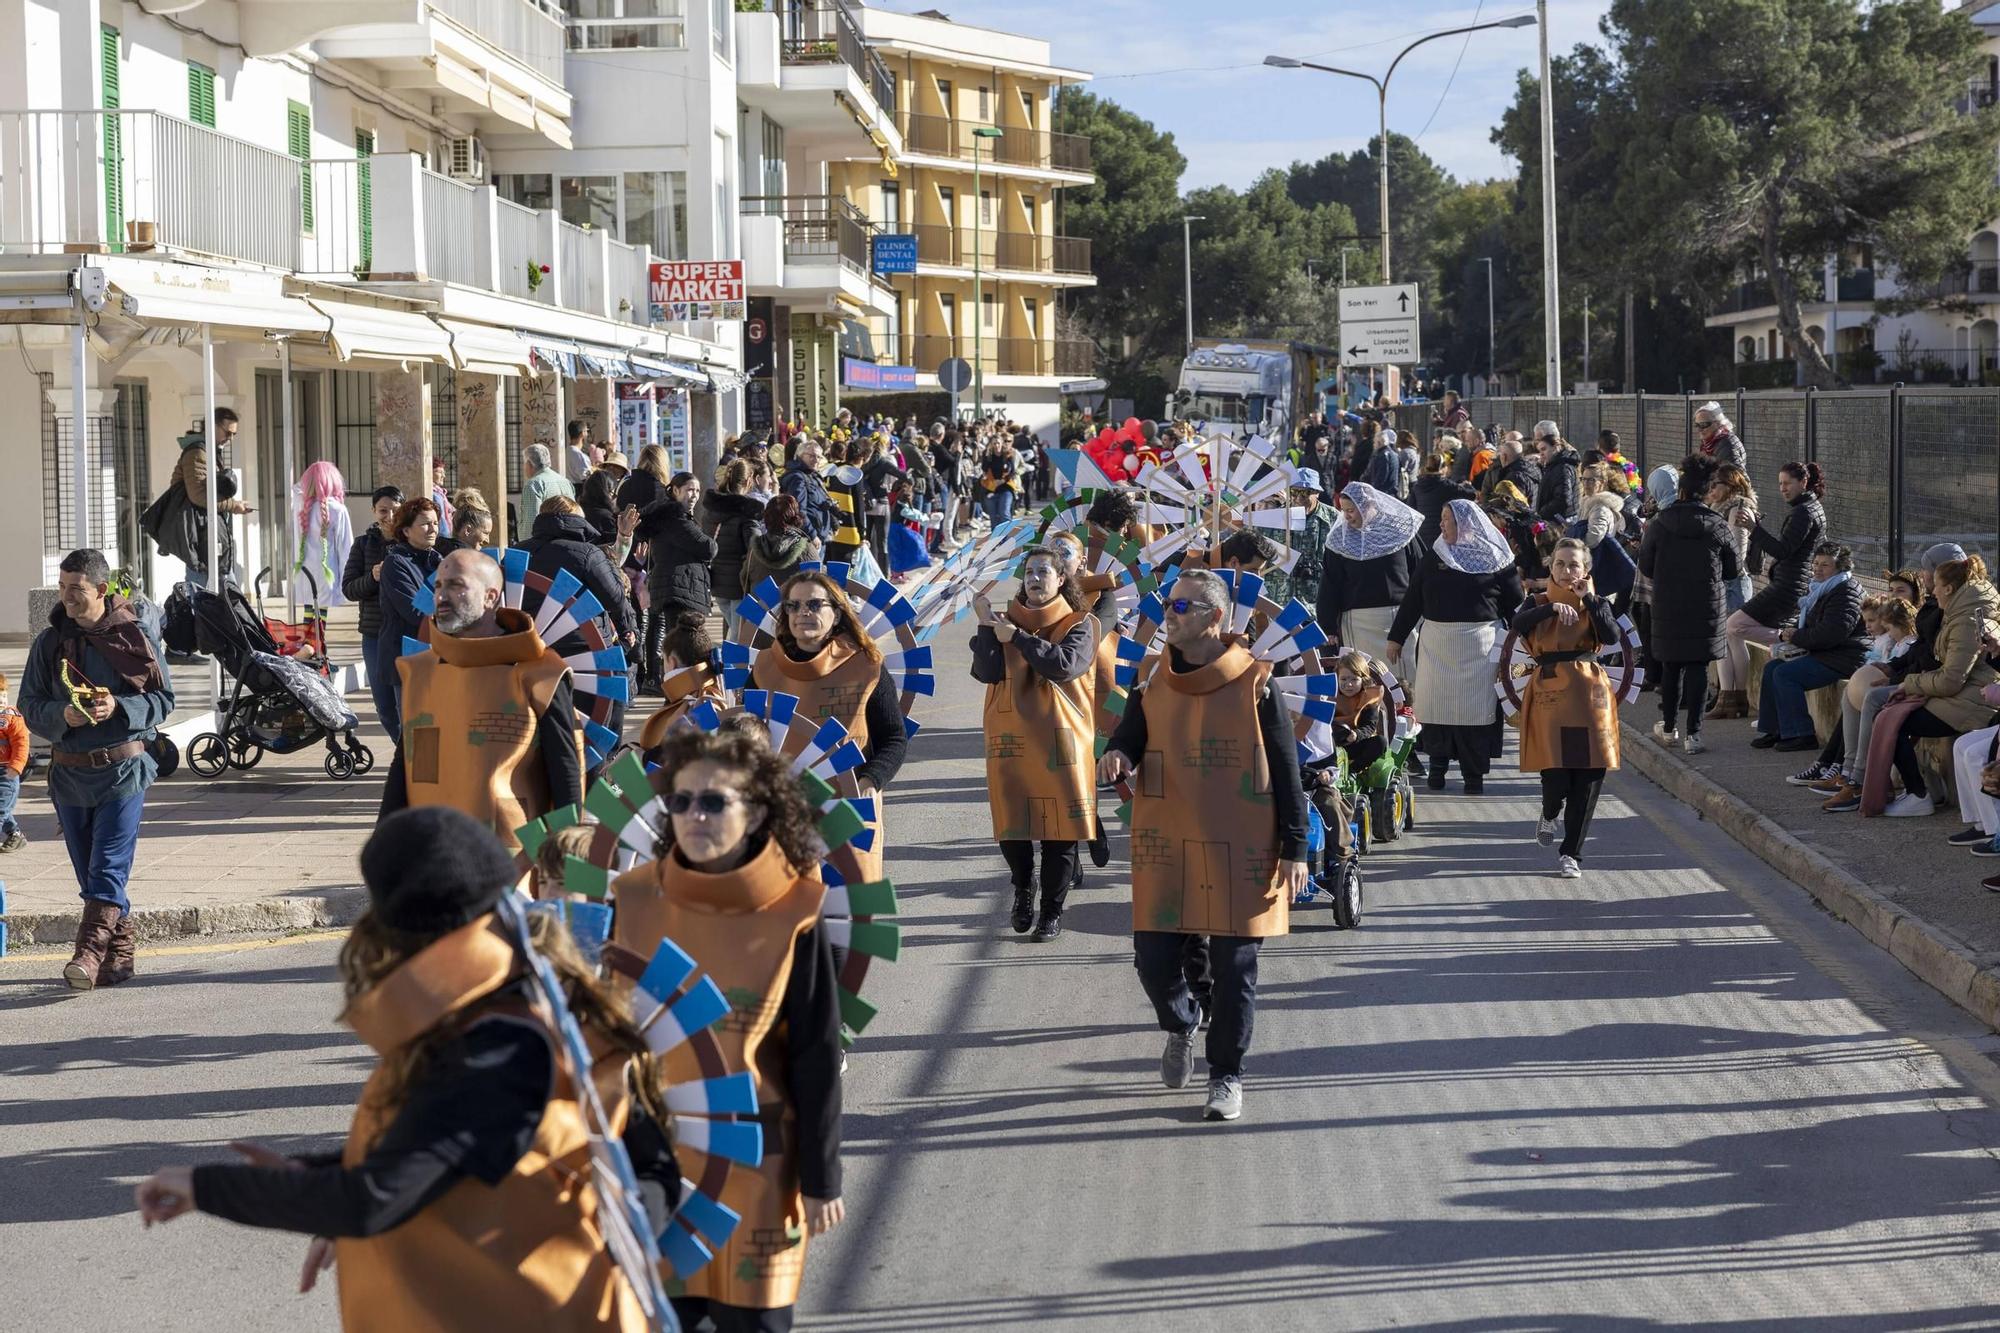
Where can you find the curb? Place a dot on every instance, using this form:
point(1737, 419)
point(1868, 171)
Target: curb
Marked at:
point(1948, 965)
point(329, 907)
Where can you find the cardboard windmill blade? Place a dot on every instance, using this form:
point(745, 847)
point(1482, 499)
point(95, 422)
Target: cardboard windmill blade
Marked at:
point(886, 617)
point(1514, 664)
point(973, 571)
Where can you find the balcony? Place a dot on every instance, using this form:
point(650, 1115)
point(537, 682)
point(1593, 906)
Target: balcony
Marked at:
point(145, 183)
point(1006, 251)
point(806, 65)
point(1038, 357)
point(1979, 277)
point(664, 29)
point(812, 251)
point(1017, 146)
point(820, 31)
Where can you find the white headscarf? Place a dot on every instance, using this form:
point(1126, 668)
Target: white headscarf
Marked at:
point(1387, 524)
point(1480, 549)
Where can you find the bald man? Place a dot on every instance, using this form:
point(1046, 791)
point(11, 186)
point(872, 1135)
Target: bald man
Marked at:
point(488, 723)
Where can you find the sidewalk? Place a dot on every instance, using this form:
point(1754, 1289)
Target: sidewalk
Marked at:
point(1894, 880)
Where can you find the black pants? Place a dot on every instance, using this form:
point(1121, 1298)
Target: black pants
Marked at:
point(1059, 862)
point(1916, 727)
point(1642, 620)
point(1572, 793)
point(658, 621)
point(1160, 957)
point(693, 1310)
point(1683, 685)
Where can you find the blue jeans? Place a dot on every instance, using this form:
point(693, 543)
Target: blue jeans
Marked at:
point(10, 792)
point(947, 502)
point(1781, 708)
point(101, 841)
point(1000, 504)
point(382, 688)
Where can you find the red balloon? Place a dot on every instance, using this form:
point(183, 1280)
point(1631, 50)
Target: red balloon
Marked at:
point(1131, 425)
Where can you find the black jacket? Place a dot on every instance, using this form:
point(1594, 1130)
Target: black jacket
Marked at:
point(736, 521)
point(1791, 550)
point(1524, 472)
point(599, 497)
point(1921, 655)
point(639, 490)
point(1356, 585)
point(1449, 596)
point(677, 557)
point(1831, 632)
point(1556, 498)
point(563, 541)
point(1428, 496)
point(1687, 553)
point(356, 582)
point(804, 485)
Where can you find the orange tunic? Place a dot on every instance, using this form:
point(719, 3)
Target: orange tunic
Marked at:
point(470, 708)
point(1204, 828)
point(1569, 718)
point(1040, 777)
point(525, 1254)
point(742, 928)
point(835, 683)
point(685, 688)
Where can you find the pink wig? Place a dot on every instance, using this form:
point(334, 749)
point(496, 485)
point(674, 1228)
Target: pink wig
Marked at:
point(321, 482)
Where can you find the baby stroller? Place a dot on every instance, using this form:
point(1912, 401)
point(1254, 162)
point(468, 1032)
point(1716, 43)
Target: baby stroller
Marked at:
point(273, 702)
point(306, 640)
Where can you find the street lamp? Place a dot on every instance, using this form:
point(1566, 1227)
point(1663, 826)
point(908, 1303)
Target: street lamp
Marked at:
point(1343, 262)
point(978, 289)
point(1551, 311)
point(1187, 271)
point(1382, 99)
point(1489, 322)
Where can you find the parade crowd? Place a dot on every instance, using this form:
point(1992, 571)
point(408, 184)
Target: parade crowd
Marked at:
point(1225, 661)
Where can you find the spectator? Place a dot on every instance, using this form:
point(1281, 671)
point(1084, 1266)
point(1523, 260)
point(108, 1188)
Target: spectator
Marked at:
point(1431, 493)
point(1557, 500)
point(563, 540)
point(1510, 464)
point(735, 521)
point(13, 762)
point(1950, 699)
point(178, 520)
point(472, 525)
point(599, 494)
point(1730, 493)
point(542, 481)
point(96, 690)
point(776, 552)
point(647, 482)
point(361, 580)
point(1448, 414)
point(326, 534)
point(1715, 437)
point(577, 451)
point(1687, 558)
point(1478, 454)
point(999, 479)
point(1803, 486)
point(803, 483)
point(412, 558)
point(678, 554)
point(1826, 647)
point(1600, 527)
point(879, 475)
point(441, 493)
point(1310, 543)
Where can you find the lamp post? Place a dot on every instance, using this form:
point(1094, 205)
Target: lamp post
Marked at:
point(1343, 262)
point(978, 289)
point(1487, 260)
point(1382, 97)
point(1187, 272)
point(1551, 311)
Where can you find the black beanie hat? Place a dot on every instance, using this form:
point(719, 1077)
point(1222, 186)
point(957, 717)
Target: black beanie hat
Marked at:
point(432, 869)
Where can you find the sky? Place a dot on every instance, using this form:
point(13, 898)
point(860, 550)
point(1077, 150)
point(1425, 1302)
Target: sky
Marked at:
point(1196, 70)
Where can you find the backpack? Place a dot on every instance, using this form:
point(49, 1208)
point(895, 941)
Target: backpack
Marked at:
point(162, 522)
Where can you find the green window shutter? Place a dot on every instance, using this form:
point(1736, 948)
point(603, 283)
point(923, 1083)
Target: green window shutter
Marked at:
point(364, 195)
point(114, 143)
point(298, 142)
point(201, 94)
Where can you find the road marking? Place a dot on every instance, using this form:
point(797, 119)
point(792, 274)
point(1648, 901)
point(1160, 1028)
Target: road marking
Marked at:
point(214, 946)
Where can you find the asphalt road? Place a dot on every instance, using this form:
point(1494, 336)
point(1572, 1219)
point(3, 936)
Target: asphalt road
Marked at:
point(1669, 1095)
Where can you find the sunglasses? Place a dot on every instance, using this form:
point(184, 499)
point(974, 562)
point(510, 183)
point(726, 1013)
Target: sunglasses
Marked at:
point(1180, 606)
point(708, 802)
point(812, 606)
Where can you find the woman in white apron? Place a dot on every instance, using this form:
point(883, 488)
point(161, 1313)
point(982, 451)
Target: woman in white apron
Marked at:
point(1370, 556)
point(1464, 586)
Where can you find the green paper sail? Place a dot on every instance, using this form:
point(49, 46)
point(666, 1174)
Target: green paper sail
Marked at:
point(564, 818)
point(855, 1013)
point(840, 825)
point(1124, 813)
point(531, 836)
point(628, 773)
point(607, 804)
point(818, 791)
point(877, 939)
point(580, 876)
point(875, 898)
point(1113, 704)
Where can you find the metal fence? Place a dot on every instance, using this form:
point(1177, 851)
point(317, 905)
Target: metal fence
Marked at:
point(1905, 466)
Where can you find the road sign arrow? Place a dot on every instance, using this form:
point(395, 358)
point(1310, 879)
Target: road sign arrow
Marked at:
point(1404, 298)
point(1354, 351)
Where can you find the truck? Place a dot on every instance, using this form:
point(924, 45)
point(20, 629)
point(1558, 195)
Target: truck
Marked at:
point(1246, 386)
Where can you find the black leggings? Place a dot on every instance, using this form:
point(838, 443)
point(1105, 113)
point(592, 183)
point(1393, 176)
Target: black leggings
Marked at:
point(1917, 726)
point(1683, 685)
point(1059, 862)
point(730, 1318)
point(1571, 793)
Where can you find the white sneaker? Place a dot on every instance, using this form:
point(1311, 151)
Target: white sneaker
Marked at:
point(1693, 744)
point(1545, 832)
point(1907, 806)
point(1567, 867)
point(1664, 735)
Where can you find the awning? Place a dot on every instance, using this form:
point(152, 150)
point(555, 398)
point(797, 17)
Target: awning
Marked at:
point(188, 296)
point(485, 350)
point(652, 367)
point(376, 334)
point(581, 360)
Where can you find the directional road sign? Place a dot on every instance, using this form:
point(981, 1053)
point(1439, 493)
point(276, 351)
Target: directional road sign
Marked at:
point(1378, 326)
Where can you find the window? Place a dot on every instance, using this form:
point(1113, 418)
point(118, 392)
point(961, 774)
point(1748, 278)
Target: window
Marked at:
point(948, 304)
point(1028, 211)
point(529, 190)
point(646, 208)
point(298, 142)
point(989, 309)
point(720, 18)
point(772, 165)
point(985, 104)
point(892, 205)
point(1031, 316)
point(986, 208)
point(944, 97)
point(595, 25)
point(724, 246)
point(114, 141)
point(590, 201)
point(893, 325)
point(1028, 107)
point(655, 211)
point(354, 427)
point(201, 94)
point(948, 201)
point(364, 194)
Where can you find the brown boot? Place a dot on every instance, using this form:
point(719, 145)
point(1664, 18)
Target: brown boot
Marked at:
point(93, 939)
point(1729, 704)
point(117, 965)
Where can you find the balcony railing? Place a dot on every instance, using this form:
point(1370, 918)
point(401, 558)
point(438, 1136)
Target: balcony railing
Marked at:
point(822, 31)
point(451, 220)
point(531, 31)
point(520, 234)
point(108, 181)
point(1001, 356)
point(949, 136)
point(1979, 277)
point(1013, 251)
point(818, 228)
point(665, 32)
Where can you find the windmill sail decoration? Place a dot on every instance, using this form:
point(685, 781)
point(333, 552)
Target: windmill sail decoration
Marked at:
point(886, 616)
point(621, 1215)
point(1076, 470)
point(1620, 661)
point(970, 572)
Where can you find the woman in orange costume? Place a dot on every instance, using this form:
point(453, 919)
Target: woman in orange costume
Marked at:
point(685, 677)
point(464, 1197)
point(825, 658)
point(737, 886)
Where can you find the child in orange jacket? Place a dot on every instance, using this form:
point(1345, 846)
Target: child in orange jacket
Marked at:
point(13, 760)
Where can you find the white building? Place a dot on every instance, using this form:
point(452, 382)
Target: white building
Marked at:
point(1955, 341)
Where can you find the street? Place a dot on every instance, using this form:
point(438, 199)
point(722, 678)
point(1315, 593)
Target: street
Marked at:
point(1671, 1094)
